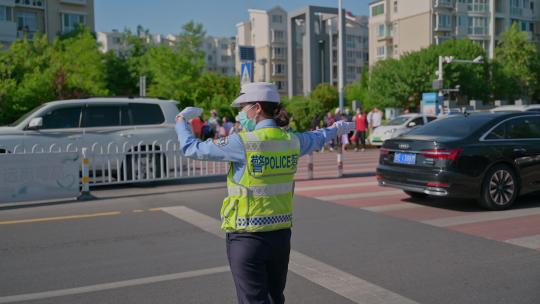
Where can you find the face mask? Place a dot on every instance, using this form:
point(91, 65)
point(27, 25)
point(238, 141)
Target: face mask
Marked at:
point(247, 124)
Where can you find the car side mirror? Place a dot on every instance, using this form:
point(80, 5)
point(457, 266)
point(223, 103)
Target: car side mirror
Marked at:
point(411, 124)
point(35, 123)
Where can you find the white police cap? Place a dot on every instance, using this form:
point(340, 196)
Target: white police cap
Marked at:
point(257, 92)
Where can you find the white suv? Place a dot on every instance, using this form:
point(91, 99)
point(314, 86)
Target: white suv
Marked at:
point(103, 125)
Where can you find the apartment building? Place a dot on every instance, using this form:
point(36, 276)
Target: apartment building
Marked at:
point(115, 40)
point(313, 48)
point(220, 55)
point(400, 26)
point(266, 31)
point(356, 56)
point(20, 18)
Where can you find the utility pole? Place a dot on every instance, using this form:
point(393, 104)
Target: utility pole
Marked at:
point(340, 55)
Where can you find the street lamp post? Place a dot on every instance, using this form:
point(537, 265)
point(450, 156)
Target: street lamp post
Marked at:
point(340, 55)
point(448, 60)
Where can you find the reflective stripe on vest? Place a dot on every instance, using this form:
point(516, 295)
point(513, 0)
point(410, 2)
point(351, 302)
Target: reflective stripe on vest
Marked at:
point(265, 190)
point(263, 220)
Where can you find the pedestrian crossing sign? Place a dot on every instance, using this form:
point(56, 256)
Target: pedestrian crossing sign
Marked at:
point(245, 72)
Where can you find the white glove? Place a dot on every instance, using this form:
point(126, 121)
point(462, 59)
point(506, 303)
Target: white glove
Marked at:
point(190, 112)
point(344, 127)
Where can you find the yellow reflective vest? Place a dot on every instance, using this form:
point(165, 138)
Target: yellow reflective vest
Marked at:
point(262, 199)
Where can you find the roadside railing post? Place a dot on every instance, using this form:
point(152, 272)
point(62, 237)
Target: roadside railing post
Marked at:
point(339, 161)
point(85, 178)
point(310, 166)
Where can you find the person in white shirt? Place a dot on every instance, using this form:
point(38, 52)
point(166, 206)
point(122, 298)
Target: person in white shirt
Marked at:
point(374, 119)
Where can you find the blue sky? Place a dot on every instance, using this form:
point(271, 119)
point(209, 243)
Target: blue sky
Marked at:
point(219, 17)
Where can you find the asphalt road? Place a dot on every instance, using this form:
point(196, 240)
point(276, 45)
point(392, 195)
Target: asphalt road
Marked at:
point(130, 247)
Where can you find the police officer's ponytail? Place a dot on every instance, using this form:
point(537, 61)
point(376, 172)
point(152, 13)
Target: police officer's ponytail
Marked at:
point(277, 112)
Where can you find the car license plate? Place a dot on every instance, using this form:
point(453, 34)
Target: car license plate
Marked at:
point(376, 138)
point(405, 158)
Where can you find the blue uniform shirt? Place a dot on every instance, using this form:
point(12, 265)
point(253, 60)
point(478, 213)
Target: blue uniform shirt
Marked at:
point(231, 148)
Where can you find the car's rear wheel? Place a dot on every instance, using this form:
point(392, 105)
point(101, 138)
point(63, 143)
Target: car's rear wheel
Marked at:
point(416, 195)
point(500, 188)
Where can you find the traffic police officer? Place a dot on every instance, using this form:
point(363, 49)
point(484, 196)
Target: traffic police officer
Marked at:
point(257, 213)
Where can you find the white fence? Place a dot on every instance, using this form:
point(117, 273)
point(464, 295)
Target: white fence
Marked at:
point(113, 164)
point(135, 162)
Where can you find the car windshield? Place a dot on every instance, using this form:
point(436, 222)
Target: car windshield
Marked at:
point(455, 126)
point(25, 116)
point(398, 121)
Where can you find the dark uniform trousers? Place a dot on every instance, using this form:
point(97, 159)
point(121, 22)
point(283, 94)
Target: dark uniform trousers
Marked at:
point(259, 263)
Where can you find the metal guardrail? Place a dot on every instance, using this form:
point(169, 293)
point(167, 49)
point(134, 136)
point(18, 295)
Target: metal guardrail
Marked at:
point(133, 162)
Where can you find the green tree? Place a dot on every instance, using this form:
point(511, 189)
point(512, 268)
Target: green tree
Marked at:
point(358, 90)
point(77, 67)
point(327, 95)
point(400, 83)
point(303, 111)
point(174, 71)
point(217, 92)
point(516, 66)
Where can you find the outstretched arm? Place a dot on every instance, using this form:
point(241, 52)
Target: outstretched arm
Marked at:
point(228, 148)
point(315, 140)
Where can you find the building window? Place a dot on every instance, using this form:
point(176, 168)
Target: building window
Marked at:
point(278, 52)
point(381, 51)
point(27, 22)
point(280, 85)
point(478, 26)
point(480, 6)
point(279, 36)
point(463, 21)
point(380, 32)
point(444, 21)
point(224, 58)
point(5, 13)
point(377, 10)
point(277, 19)
point(279, 69)
point(70, 22)
point(32, 3)
point(224, 46)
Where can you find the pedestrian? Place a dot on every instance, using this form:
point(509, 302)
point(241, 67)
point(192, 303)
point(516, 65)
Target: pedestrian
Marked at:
point(329, 121)
point(227, 125)
point(374, 119)
point(257, 213)
point(360, 122)
point(237, 128)
point(197, 125)
point(213, 122)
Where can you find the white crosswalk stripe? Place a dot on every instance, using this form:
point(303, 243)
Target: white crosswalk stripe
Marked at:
point(329, 277)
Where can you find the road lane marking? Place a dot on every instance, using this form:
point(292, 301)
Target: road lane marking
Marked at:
point(338, 197)
point(329, 277)
point(138, 211)
point(482, 217)
point(60, 218)
point(154, 209)
point(532, 241)
point(391, 207)
point(338, 186)
point(113, 285)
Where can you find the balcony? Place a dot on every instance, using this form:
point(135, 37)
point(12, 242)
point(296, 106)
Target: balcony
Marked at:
point(443, 4)
point(386, 34)
point(461, 8)
point(443, 28)
point(77, 2)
